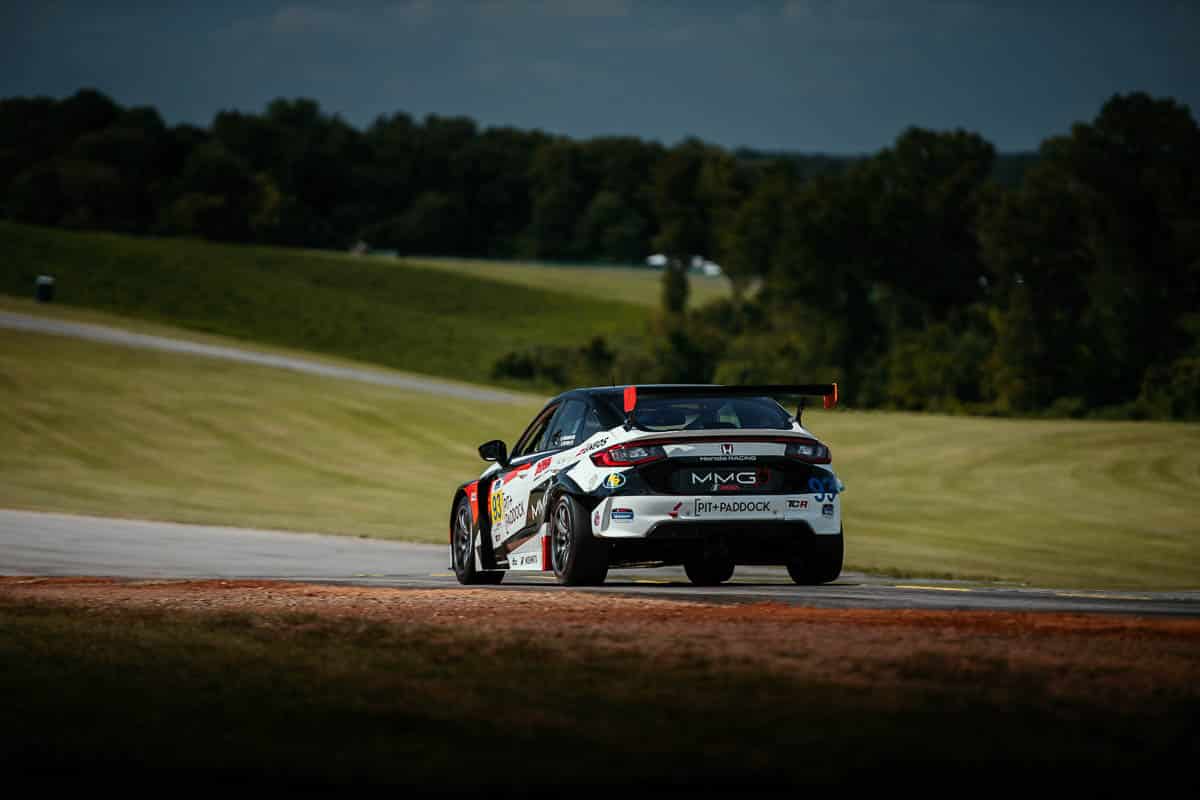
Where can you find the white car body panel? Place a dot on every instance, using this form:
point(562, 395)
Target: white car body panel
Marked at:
point(513, 510)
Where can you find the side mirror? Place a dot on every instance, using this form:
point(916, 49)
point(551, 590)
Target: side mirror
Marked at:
point(495, 450)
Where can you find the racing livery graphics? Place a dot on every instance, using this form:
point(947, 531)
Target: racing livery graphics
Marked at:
point(703, 476)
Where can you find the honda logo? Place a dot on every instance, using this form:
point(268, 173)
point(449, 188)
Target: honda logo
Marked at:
point(726, 449)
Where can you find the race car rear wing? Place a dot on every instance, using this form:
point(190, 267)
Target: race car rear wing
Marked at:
point(827, 391)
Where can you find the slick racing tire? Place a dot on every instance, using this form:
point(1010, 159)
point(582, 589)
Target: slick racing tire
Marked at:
point(578, 558)
point(708, 571)
point(462, 549)
point(821, 564)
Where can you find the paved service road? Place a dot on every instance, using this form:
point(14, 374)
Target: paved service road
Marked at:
point(117, 336)
point(58, 544)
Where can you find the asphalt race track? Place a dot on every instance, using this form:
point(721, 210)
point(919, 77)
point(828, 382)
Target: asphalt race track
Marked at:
point(60, 545)
point(56, 544)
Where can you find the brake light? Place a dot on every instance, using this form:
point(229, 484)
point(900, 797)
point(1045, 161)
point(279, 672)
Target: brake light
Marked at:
point(810, 451)
point(623, 455)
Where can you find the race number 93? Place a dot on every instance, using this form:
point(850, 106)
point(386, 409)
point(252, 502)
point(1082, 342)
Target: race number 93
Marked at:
point(497, 506)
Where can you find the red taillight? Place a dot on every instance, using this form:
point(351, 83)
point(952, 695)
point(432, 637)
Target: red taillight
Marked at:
point(628, 455)
point(808, 450)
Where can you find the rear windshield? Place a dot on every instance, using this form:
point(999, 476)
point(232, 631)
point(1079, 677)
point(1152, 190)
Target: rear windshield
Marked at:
point(709, 413)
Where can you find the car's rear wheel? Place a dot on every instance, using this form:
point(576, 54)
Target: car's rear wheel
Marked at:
point(578, 558)
point(709, 571)
point(462, 546)
point(821, 564)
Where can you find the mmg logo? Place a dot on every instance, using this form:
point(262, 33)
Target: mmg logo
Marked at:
point(537, 505)
point(744, 478)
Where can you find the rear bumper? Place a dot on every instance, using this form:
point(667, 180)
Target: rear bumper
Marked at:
point(625, 517)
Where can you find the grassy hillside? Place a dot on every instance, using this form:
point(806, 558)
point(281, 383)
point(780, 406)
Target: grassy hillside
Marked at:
point(427, 320)
point(114, 431)
point(629, 285)
point(92, 428)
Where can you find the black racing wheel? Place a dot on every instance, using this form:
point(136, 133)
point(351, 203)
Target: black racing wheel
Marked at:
point(462, 549)
point(579, 559)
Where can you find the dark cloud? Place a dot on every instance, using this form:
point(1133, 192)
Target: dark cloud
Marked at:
point(814, 75)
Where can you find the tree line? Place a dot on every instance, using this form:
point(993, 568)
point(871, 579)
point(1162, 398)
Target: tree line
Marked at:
point(933, 274)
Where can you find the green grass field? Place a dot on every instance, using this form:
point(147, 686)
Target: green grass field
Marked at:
point(641, 287)
point(114, 431)
point(92, 428)
point(436, 321)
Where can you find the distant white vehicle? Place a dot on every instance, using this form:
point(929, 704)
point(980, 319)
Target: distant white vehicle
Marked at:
point(698, 264)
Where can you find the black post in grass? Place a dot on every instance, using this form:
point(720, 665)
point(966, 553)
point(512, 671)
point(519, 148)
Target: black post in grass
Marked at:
point(44, 288)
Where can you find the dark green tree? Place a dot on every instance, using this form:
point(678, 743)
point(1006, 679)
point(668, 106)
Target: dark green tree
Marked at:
point(1098, 253)
point(674, 287)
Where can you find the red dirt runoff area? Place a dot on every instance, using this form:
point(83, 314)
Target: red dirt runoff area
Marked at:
point(1111, 661)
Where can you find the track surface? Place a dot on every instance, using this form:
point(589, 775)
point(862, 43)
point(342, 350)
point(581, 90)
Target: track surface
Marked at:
point(117, 336)
point(57, 544)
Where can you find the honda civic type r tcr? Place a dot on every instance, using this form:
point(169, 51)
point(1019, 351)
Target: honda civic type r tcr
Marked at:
point(704, 476)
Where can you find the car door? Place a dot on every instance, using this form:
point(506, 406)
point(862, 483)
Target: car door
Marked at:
point(563, 434)
point(509, 488)
point(522, 493)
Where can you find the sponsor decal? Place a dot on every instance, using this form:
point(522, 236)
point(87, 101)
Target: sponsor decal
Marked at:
point(726, 449)
point(622, 514)
point(797, 504)
point(824, 489)
point(615, 481)
point(674, 512)
point(727, 458)
point(566, 441)
point(827, 510)
point(523, 560)
point(504, 510)
point(731, 506)
point(513, 513)
point(537, 505)
point(542, 466)
point(587, 448)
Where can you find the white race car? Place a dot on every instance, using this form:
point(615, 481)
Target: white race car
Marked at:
point(704, 476)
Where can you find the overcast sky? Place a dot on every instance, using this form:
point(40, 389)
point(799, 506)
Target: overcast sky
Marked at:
point(837, 76)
